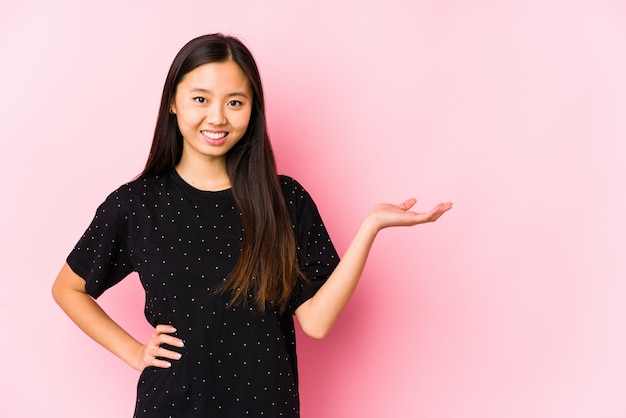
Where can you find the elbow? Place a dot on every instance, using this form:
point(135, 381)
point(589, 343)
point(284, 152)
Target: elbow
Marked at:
point(315, 331)
point(318, 335)
point(57, 292)
point(65, 285)
point(314, 324)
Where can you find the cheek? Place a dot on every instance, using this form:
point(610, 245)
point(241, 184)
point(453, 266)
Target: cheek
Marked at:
point(245, 120)
point(188, 116)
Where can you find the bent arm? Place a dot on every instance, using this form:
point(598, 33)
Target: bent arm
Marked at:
point(69, 293)
point(318, 314)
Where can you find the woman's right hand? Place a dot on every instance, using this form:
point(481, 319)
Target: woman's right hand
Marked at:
point(153, 354)
point(69, 292)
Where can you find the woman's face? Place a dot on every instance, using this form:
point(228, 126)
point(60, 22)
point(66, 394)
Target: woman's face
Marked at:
point(213, 104)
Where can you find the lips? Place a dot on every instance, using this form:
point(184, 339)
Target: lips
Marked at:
point(214, 137)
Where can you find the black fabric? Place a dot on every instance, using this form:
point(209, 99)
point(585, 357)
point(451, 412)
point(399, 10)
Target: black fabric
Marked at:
point(183, 242)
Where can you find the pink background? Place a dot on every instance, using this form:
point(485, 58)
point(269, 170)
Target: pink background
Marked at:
point(512, 305)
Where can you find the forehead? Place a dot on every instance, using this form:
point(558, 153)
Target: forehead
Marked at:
point(216, 77)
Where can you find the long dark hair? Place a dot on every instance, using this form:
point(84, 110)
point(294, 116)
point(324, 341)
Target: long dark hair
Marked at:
point(267, 267)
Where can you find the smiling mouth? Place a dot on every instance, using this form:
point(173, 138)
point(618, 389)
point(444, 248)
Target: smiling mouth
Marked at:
point(214, 135)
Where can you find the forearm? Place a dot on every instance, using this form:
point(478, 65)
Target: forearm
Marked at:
point(317, 315)
point(92, 319)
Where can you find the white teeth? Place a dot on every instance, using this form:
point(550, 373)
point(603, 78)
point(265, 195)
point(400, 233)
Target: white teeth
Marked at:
point(214, 135)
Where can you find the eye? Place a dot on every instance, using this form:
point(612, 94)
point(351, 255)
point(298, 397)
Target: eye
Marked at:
point(235, 103)
point(200, 100)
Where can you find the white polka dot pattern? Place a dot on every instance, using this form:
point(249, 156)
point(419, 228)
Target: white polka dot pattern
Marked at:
point(183, 242)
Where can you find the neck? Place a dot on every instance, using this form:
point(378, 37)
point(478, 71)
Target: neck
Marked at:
point(204, 175)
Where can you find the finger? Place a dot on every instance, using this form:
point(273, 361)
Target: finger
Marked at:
point(444, 207)
point(159, 357)
point(439, 210)
point(163, 364)
point(165, 329)
point(164, 353)
point(170, 340)
point(408, 204)
point(161, 336)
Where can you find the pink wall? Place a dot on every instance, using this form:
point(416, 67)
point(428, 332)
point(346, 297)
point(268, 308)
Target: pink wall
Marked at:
point(511, 306)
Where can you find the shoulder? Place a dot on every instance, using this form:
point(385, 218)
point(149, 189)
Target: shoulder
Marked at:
point(296, 196)
point(289, 184)
point(292, 189)
point(140, 186)
point(137, 191)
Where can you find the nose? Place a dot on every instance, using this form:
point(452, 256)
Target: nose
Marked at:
point(215, 115)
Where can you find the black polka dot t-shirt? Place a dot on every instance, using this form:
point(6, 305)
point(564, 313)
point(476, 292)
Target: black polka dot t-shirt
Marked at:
point(183, 242)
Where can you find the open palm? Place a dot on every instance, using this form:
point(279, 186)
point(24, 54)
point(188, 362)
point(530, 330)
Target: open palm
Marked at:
point(387, 214)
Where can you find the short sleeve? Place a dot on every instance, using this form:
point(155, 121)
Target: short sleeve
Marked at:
point(101, 257)
point(317, 256)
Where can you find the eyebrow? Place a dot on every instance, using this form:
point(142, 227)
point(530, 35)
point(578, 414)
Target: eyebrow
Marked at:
point(233, 94)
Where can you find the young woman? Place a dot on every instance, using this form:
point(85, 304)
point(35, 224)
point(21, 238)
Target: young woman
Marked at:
point(227, 251)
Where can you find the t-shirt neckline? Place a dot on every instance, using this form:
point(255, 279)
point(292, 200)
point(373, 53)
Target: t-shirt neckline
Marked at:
point(179, 181)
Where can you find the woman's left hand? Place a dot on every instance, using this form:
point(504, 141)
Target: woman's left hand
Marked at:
point(386, 214)
point(317, 315)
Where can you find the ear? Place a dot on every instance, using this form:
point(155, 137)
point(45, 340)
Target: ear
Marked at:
point(172, 108)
